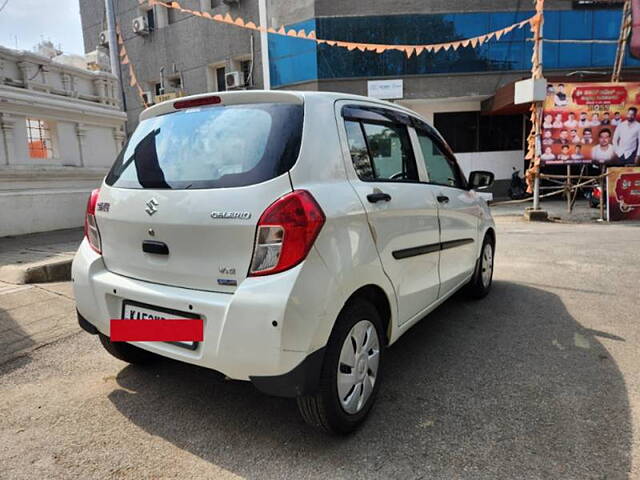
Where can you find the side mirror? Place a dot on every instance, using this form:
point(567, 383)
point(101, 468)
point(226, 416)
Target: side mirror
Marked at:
point(480, 180)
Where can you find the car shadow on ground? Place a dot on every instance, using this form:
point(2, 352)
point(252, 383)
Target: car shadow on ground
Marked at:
point(13, 341)
point(507, 387)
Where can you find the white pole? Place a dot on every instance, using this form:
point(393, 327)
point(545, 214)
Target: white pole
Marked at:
point(264, 44)
point(113, 40)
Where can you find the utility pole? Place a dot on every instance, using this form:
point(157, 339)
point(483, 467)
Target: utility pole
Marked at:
point(536, 73)
point(264, 43)
point(113, 46)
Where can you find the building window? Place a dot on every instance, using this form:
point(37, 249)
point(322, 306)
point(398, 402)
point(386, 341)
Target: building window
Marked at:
point(459, 129)
point(473, 132)
point(245, 68)
point(220, 82)
point(151, 20)
point(39, 138)
point(175, 83)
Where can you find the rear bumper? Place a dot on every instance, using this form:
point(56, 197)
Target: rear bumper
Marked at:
point(247, 335)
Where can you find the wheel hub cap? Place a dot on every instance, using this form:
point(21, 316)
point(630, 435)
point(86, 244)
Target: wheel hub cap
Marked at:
point(487, 264)
point(358, 366)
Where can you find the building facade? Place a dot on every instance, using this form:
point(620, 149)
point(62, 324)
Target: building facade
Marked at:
point(180, 53)
point(60, 129)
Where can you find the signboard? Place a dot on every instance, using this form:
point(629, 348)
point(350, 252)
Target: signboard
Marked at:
point(385, 89)
point(167, 96)
point(623, 194)
point(591, 123)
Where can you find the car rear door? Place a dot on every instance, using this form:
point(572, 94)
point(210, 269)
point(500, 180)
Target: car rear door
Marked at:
point(458, 210)
point(401, 211)
point(181, 204)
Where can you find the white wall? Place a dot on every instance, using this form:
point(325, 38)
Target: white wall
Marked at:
point(501, 164)
point(41, 210)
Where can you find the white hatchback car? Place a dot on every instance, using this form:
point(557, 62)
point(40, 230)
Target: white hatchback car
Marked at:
point(307, 230)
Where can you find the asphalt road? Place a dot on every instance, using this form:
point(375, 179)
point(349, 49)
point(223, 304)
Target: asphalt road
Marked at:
point(539, 380)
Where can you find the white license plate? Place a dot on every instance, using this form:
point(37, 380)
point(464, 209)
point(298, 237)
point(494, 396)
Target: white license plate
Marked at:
point(137, 311)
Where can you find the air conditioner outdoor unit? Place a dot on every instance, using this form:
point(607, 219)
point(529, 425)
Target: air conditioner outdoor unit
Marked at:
point(140, 26)
point(234, 80)
point(103, 38)
point(148, 97)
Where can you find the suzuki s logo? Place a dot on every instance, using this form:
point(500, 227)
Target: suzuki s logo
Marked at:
point(152, 206)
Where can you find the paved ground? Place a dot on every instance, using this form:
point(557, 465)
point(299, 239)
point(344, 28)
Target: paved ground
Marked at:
point(39, 257)
point(539, 380)
point(32, 316)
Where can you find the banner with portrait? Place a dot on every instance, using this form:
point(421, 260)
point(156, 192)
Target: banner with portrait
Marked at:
point(623, 193)
point(591, 123)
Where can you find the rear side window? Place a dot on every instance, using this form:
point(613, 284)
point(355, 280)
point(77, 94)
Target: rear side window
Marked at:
point(381, 151)
point(211, 147)
point(440, 168)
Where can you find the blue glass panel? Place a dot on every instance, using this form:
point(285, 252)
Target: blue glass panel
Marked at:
point(574, 55)
point(575, 24)
point(606, 24)
point(293, 60)
point(469, 25)
point(603, 55)
point(507, 56)
point(551, 25)
point(549, 55)
point(630, 61)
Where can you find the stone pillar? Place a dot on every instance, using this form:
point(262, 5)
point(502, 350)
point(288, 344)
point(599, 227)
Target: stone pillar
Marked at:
point(66, 83)
point(9, 151)
point(118, 136)
point(81, 134)
point(101, 90)
point(26, 69)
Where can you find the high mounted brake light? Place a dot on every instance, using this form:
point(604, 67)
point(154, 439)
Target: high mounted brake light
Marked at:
point(286, 232)
point(197, 102)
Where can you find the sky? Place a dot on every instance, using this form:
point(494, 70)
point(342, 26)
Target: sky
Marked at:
point(34, 20)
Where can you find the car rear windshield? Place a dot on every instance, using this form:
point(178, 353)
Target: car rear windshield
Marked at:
point(211, 147)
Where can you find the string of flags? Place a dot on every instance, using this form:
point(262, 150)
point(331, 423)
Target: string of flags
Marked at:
point(409, 50)
point(125, 60)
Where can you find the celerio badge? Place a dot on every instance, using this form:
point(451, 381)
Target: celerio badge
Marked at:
point(231, 215)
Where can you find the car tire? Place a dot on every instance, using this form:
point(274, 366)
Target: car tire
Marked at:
point(329, 408)
point(127, 352)
point(480, 284)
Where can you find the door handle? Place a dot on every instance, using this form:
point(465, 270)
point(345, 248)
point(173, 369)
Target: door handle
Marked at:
point(378, 197)
point(151, 246)
point(443, 199)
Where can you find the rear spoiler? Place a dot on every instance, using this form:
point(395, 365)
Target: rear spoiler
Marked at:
point(223, 98)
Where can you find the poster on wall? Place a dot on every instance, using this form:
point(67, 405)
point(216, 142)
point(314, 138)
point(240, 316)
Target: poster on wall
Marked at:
point(623, 194)
point(591, 123)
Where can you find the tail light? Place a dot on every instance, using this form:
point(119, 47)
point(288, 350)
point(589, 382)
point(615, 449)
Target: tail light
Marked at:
point(286, 232)
point(90, 226)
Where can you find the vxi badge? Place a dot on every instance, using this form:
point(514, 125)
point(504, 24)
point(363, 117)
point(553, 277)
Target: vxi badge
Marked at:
point(231, 215)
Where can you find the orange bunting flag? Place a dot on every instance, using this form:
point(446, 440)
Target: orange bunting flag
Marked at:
point(409, 50)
